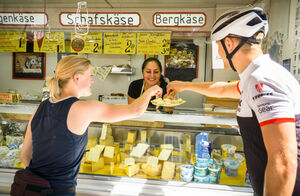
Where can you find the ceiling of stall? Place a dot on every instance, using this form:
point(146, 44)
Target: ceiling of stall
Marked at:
point(129, 3)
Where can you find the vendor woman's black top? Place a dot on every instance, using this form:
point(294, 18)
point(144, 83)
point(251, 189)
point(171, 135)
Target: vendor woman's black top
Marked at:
point(135, 88)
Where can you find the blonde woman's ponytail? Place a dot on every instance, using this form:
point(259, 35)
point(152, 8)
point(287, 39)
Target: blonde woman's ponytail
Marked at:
point(52, 83)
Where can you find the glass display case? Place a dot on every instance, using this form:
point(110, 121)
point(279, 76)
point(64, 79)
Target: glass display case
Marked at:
point(191, 150)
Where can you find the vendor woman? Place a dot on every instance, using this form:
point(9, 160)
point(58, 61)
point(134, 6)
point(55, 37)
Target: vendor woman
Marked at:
point(151, 70)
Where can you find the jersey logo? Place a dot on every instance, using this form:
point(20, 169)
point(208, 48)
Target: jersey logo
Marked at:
point(259, 87)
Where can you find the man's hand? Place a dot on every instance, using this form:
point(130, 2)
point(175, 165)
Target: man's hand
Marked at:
point(175, 87)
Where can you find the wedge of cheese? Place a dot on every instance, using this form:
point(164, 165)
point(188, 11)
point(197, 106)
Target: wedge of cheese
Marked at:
point(152, 160)
point(139, 150)
point(166, 146)
point(131, 137)
point(109, 151)
point(168, 170)
point(109, 141)
point(98, 165)
point(143, 136)
point(91, 143)
point(106, 131)
point(164, 154)
point(94, 155)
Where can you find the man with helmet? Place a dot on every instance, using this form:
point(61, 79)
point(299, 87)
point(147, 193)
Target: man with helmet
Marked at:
point(269, 109)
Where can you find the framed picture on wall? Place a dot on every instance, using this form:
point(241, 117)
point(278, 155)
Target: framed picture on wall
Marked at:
point(149, 55)
point(29, 65)
point(182, 63)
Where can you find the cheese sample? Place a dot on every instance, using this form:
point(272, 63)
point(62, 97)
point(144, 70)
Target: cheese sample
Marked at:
point(139, 150)
point(143, 136)
point(168, 170)
point(98, 165)
point(152, 160)
point(109, 151)
point(164, 154)
point(131, 137)
point(129, 161)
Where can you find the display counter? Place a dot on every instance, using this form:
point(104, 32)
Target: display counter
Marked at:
point(151, 155)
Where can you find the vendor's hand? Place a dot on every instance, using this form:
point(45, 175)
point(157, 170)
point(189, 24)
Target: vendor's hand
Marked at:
point(175, 87)
point(155, 91)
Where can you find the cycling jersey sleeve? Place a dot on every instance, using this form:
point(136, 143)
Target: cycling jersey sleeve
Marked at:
point(270, 102)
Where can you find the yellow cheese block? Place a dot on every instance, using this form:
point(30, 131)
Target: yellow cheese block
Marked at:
point(109, 151)
point(131, 170)
point(91, 143)
point(168, 170)
point(94, 153)
point(164, 154)
point(106, 131)
point(110, 160)
point(143, 136)
point(109, 141)
point(98, 165)
point(131, 137)
point(151, 170)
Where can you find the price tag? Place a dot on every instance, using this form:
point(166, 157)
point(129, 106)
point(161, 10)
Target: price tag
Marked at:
point(153, 43)
point(90, 43)
point(13, 41)
point(119, 43)
point(49, 42)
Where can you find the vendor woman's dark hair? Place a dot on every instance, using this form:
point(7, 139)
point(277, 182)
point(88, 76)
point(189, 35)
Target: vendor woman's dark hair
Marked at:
point(150, 59)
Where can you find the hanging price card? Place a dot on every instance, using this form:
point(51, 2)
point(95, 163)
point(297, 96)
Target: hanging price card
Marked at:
point(90, 43)
point(49, 42)
point(13, 41)
point(153, 43)
point(119, 43)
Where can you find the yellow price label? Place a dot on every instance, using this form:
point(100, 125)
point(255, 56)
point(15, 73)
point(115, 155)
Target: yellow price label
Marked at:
point(49, 42)
point(90, 43)
point(153, 43)
point(13, 41)
point(119, 43)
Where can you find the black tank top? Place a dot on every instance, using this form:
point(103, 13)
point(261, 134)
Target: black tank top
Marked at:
point(57, 152)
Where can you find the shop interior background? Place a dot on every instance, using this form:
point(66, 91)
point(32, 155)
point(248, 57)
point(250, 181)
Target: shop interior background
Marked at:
point(282, 42)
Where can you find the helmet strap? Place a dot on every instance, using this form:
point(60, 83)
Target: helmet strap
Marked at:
point(229, 56)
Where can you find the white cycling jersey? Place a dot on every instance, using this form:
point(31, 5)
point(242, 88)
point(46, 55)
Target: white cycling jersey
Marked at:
point(269, 94)
point(270, 91)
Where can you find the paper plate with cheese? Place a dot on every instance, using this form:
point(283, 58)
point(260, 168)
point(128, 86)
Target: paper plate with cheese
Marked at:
point(167, 102)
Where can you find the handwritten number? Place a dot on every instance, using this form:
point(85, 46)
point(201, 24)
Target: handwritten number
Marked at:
point(129, 43)
point(96, 47)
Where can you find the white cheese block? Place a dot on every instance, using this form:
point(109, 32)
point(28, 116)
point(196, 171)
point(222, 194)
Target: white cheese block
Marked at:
point(152, 160)
point(164, 154)
point(168, 170)
point(139, 150)
point(109, 151)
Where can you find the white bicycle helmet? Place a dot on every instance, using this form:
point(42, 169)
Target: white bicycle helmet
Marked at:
point(242, 22)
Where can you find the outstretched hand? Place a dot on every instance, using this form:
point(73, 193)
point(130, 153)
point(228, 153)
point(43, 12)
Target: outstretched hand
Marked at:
point(156, 91)
point(175, 87)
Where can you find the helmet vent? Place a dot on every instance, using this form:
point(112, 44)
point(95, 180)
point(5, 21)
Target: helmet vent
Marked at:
point(254, 21)
point(230, 20)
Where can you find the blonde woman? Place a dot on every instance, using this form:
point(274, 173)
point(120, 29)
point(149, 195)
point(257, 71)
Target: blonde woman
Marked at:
point(56, 136)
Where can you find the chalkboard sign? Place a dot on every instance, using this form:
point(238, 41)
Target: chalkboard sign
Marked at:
point(182, 63)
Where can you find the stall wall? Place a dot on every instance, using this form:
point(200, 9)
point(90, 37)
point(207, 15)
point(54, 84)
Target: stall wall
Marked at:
point(120, 83)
